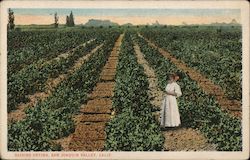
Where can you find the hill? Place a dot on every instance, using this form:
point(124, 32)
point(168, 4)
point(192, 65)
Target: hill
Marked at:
point(96, 22)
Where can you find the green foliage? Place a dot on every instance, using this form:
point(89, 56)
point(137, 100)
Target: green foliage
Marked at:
point(28, 47)
point(33, 77)
point(216, 55)
point(198, 110)
point(51, 119)
point(134, 128)
point(130, 132)
point(24, 136)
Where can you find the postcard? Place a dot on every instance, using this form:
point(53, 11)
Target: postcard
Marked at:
point(124, 79)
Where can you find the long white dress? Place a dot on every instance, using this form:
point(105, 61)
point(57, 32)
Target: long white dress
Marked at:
point(170, 116)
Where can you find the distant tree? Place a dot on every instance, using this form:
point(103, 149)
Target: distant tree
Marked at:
point(146, 26)
point(67, 20)
point(70, 20)
point(165, 26)
point(101, 26)
point(110, 26)
point(56, 20)
point(11, 24)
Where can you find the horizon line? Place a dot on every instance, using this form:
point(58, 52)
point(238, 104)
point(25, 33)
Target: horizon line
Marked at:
point(47, 20)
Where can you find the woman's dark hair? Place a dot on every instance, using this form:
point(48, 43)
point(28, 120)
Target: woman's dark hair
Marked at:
point(175, 74)
point(180, 74)
point(170, 75)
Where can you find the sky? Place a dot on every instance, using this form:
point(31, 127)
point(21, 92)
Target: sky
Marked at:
point(121, 16)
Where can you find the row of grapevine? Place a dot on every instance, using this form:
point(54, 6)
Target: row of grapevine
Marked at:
point(33, 78)
point(133, 128)
point(198, 110)
point(216, 54)
point(37, 45)
point(52, 119)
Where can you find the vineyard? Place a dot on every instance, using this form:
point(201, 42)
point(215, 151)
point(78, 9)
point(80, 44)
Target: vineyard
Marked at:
point(100, 89)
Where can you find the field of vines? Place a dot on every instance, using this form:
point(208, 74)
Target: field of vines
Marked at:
point(53, 76)
point(215, 53)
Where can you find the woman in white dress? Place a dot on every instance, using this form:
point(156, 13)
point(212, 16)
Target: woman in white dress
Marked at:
point(170, 116)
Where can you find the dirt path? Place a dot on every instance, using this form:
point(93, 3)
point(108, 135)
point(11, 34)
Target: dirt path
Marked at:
point(155, 92)
point(233, 107)
point(181, 139)
point(91, 121)
point(19, 113)
point(69, 52)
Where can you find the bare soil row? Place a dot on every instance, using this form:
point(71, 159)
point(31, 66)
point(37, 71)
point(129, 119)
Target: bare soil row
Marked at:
point(90, 122)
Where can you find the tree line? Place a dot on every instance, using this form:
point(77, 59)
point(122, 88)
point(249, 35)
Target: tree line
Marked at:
point(69, 20)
